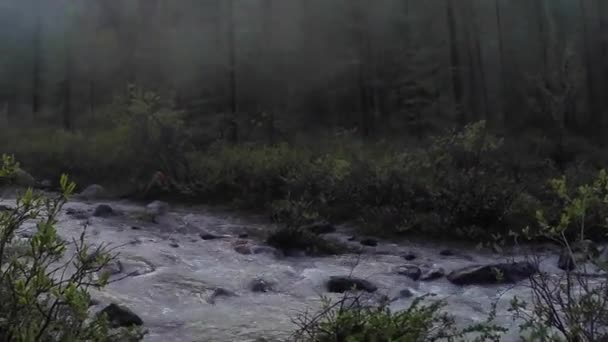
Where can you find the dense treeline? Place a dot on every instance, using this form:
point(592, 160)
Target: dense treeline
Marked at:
point(397, 67)
point(441, 116)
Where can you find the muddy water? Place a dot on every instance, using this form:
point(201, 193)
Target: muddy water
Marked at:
point(168, 274)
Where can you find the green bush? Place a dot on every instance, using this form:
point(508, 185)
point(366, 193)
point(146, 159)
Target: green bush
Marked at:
point(45, 298)
point(461, 185)
point(572, 306)
point(350, 320)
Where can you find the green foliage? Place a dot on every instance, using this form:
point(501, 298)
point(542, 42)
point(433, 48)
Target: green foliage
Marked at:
point(136, 136)
point(8, 168)
point(461, 185)
point(44, 295)
point(348, 320)
point(571, 307)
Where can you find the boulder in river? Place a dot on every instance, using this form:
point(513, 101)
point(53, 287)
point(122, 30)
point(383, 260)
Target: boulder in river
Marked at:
point(209, 236)
point(409, 256)
point(341, 284)
point(432, 273)
point(266, 250)
point(103, 210)
point(411, 271)
point(121, 316)
point(505, 273)
point(93, 192)
point(579, 251)
point(260, 285)
point(220, 292)
point(369, 242)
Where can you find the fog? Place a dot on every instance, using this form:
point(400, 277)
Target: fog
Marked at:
point(328, 60)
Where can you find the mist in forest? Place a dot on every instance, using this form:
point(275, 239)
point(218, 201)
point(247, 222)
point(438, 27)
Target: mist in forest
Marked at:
point(382, 66)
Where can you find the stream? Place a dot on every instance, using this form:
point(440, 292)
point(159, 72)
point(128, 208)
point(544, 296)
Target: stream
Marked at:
point(169, 275)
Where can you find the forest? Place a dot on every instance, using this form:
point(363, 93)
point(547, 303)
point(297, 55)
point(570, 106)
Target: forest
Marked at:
point(291, 105)
point(474, 121)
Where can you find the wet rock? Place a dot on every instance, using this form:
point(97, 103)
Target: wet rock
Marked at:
point(114, 267)
point(243, 236)
point(209, 236)
point(289, 238)
point(341, 284)
point(266, 250)
point(352, 238)
point(135, 228)
point(566, 260)
point(157, 208)
point(260, 285)
point(103, 210)
point(94, 302)
point(121, 316)
point(174, 244)
point(505, 273)
point(77, 214)
point(602, 258)
point(446, 252)
point(320, 228)
point(400, 294)
point(24, 179)
point(580, 251)
point(369, 242)
point(93, 192)
point(243, 249)
point(409, 256)
point(5, 208)
point(432, 273)
point(220, 292)
point(411, 271)
point(137, 267)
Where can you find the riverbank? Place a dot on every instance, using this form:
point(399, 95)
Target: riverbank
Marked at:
point(466, 185)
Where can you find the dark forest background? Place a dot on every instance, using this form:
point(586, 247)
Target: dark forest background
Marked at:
point(388, 68)
point(435, 113)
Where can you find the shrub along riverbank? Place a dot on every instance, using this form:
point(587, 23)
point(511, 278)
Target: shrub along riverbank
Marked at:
point(465, 184)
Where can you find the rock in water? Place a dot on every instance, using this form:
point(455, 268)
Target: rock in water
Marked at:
point(580, 251)
point(506, 273)
point(24, 179)
point(103, 210)
point(157, 208)
point(120, 316)
point(411, 271)
point(566, 261)
point(220, 292)
point(409, 256)
point(341, 284)
point(260, 285)
point(433, 273)
point(369, 242)
point(93, 192)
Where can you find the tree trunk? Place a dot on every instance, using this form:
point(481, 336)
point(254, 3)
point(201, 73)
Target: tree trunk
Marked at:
point(67, 94)
point(503, 98)
point(480, 61)
point(36, 57)
point(455, 63)
point(595, 117)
